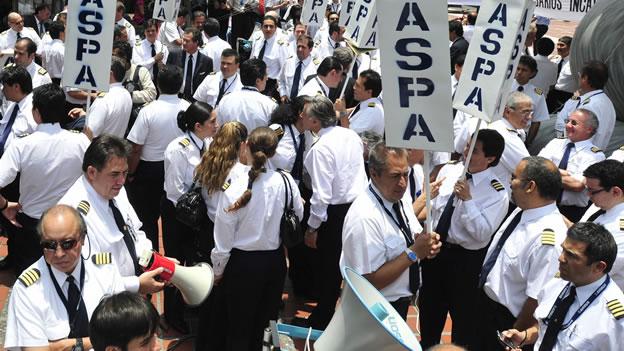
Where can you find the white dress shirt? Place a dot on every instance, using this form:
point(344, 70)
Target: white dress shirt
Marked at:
point(181, 159)
point(110, 113)
point(54, 58)
point(538, 96)
point(287, 75)
point(168, 33)
point(514, 152)
point(275, 53)
point(142, 54)
point(208, 90)
point(369, 117)
point(313, 87)
point(38, 74)
point(213, 47)
point(546, 74)
point(247, 106)
point(24, 122)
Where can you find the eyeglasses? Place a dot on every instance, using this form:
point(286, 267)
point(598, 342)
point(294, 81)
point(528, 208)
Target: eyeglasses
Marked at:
point(594, 192)
point(523, 112)
point(65, 245)
point(572, 122)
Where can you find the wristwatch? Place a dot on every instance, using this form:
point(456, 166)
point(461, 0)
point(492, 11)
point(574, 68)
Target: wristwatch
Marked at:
point(411, 255)
point(79, 346)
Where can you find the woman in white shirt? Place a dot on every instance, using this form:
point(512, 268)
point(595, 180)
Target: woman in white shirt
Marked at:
point(248, 260)
point(199, 123)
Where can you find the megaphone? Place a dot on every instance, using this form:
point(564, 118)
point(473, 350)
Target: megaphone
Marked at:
point(365, 320)
point(195, 283)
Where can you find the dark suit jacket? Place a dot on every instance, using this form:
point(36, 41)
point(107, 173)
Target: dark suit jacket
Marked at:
point(459, 47)
point(30, 21)
point(203, 66)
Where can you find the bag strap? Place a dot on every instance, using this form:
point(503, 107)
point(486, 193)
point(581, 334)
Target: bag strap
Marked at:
point(135, 77)
point(286, 188)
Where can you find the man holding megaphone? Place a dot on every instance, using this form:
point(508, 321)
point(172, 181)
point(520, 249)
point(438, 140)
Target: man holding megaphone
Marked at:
point(380, 237)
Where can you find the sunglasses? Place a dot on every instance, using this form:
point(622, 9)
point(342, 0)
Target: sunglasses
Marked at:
point(65, 245)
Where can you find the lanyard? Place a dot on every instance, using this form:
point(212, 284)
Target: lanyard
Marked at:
point(320, 86)
point(225, 89)
point(193, 140)
point(250, 88)
point(587, 98)
point(408, 239)
point(62, 296)
point(292, 134)
point(583, 307)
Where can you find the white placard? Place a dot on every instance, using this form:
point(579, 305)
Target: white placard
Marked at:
point(345, 12)
point(166, 10)
point(569, 10)
point(480, 92)
point(362, 28)
point(88, 44)
point(313, 12)
point(415, 61)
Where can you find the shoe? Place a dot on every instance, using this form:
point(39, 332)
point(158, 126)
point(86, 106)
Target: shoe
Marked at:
point(5, 263)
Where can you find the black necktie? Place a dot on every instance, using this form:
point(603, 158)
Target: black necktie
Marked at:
point(354, 71)
point(8, 128)
point(563, 164)
point(596, 215)
point(452, 98)
point(444, 223)
point(221, 90)
point(127, 237)
point(337, 45)
point(297, 171)
point(41, 29)
point(559, 66)
point(520, 88)
point(261, 54)
point(414, 271)
point(412, 179)
point(556, 321)
point(19, 35)
point(155, 67)
point(294, 91)
point(77, 313)
point(188, 85)
point(489, 263)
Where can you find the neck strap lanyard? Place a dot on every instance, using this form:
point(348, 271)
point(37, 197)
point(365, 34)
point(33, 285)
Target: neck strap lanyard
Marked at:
point(250, 88)
point(59, 291)
point(583, 307)
point(320, 85)
point(225, 89)
point(407, 236)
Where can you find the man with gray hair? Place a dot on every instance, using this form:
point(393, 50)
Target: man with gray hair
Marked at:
point(516, 117)
point(573, 155)
point(336, 169)
point(381, 237)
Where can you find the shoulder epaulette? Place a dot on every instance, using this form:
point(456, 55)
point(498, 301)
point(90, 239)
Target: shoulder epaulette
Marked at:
point(75, 131)
point(5, 32)
point(548, 237)
point(277, 128)
point(316, 61)
point(574, 97)
point(497, 185)
point(371, 104)
point(226, 185)
point(616, 308)
point(212, 73)
point(185, 142)
point(280, 41)
point(101, 94)
point(127, 24)
point(291, 56)
point(558, 274)
point(595, 149)
point(42, 71)
point(585, 102)
point(29, 277)
point(539, 91)
point(102, 258)
point(272, 98)
point(452, 162)
point(137, 43)
point(23, 135)
point(83, 207)
point(622, 223)
point(9, 65)
point(622, 147)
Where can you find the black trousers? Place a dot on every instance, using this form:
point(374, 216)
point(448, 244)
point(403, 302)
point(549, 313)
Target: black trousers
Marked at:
point(23, 242)
point(402, 306)
point(144, 194)
point(449, 285)
point(492, 316)
point(271, 89)
point(329, 243)
point(253, 282)
point(242, 26)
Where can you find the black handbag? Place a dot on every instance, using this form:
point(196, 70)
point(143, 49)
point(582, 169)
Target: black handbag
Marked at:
point(290, 227)
point(191, 208)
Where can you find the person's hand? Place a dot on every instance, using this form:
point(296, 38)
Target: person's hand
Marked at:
point(217, 279)
point(11, 211)
point(435, 187)
point(340, 105)
point(516, 337)
point(76, 112)
point(436, 245)
point(148, 283)
point(426, 245)
point(462, 190)
point(309, 238)
point(159, 57)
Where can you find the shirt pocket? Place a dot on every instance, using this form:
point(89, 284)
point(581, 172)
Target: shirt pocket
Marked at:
point(395, 245)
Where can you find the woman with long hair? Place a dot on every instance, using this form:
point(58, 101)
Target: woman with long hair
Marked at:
point(248, 260)
point(199, 123)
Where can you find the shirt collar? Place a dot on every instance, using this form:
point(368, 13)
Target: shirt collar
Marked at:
point(23, 102)
point(508, 124)
point(305, 61)
point(95, 196)
point(584, 292)
point(199, 142)
point(323, 86)
point(617, 209)
point(169, 98)
point(48, 127)
point(579, 145)
point(386, 203)
point(480, 176)
point(228, 80)
point(539, 212)
point(61, 277)
point(590, 94)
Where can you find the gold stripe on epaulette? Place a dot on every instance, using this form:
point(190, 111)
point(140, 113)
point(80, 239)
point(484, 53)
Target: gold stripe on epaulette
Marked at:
point(616, 308)
point(548, 237)
point(497, 185)
point(83, 207)
point(225, 185)
point(185, 142)
point(102, 258)
point(29, 277)
point(622, 223)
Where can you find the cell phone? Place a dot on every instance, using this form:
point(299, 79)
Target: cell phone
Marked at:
point(503, 341)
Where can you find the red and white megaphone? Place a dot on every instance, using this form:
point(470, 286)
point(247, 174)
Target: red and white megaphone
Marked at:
point(195, 283)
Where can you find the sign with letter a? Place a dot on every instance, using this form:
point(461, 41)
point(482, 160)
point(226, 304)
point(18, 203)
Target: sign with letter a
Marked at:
point(88, 44)
point(362, 28)
point(166, 10)
point(492, 57)
point(415, 61)
point(313, 12)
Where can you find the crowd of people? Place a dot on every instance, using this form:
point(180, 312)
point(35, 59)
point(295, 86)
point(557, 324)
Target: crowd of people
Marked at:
point(262, 113)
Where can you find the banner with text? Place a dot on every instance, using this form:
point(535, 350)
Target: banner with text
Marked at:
point(496, 44)
point(570, 10)
point(313, 12)
point(415, 62)
point(345, 12)
point(166, 10)
point(88, 44)
point(362, 28)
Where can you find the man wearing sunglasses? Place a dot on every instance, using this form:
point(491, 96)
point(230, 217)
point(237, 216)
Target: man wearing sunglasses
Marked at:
point(53, 299)
point(604, 183)
point(573, 155)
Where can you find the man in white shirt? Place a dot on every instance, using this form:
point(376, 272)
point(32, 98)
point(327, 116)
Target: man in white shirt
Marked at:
point(334, 40)
point(381, 238)
point(17, 118)
point(329, 75)
point(527, 69)
point(546, 76)
point(591, 96)
point(336, 167)
point(566, 83)
point(170, 33)
point(110, 112)
point(25, 50)
point(218, 84)
point(14, 33)
point(120, 20)
point(368, 115)
point(272, 48)
point(54, 55)
point(213, 45)
point(296, 69)
point(150, 53)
